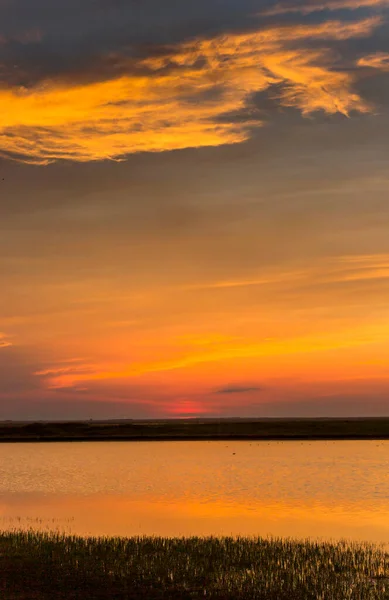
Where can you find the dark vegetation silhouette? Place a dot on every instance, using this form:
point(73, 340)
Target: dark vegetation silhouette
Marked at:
point(51, 566)
point(197, 429)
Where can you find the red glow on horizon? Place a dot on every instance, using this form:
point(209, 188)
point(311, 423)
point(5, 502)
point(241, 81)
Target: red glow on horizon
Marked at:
point(188, 408)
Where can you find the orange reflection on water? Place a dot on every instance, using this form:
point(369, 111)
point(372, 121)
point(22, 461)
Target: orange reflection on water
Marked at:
point(328, 490)
point(118, 515)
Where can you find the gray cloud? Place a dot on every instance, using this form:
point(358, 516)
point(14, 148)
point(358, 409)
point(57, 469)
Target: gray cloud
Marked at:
point(57, 40)
point(238, 389)
point(69, 44)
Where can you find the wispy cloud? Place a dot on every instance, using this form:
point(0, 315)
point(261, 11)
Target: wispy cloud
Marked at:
point(308, 7)
point(211, 347)
point(269, 279)
point(341, 269)
point(378, 60)
point(357, 268)
point(243, 349)
point(183, 98)
point(72, 367)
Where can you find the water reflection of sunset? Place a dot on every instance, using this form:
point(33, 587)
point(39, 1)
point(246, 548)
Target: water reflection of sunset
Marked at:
point(318, 489)
point(117, 515)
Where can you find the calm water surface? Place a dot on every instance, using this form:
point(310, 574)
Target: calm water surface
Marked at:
point(328, 490)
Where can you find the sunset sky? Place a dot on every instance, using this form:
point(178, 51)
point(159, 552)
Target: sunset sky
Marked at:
point(194, 208)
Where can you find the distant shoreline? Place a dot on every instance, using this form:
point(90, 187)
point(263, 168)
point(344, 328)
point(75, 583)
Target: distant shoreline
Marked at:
point(197, 430)
point(189, 439)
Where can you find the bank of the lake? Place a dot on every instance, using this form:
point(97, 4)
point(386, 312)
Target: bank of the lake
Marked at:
point(197, 429)
point(36, 566)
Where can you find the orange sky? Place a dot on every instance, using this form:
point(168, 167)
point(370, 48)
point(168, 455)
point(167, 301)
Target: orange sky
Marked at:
point(194, 211)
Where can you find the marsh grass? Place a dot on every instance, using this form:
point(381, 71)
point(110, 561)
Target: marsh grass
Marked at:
point(42, 566)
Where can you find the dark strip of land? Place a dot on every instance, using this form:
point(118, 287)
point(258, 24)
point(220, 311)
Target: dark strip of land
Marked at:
point(196, 430)
point(35, 566)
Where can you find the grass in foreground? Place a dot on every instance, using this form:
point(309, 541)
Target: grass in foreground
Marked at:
point(39, 566)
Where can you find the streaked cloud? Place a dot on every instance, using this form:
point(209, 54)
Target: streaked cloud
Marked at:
point(245, 349)
point(307, 7)
point(271, 278)
point(57, 371)
point(188, 96)
point(188, 351)
point(338, 269)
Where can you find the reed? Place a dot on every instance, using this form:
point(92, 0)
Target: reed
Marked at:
point(40, 566)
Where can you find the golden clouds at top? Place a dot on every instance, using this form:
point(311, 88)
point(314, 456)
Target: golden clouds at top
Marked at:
point(184, 99)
